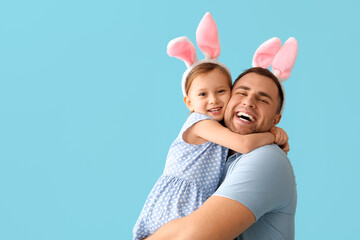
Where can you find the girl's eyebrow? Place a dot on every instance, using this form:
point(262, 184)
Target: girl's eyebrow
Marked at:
point(205, 89)
point(201, 90)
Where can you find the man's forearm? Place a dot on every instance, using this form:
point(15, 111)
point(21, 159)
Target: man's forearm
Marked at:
point(171, 230)
point(218, 218)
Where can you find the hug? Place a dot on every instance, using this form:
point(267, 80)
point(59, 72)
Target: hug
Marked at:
point(227, 174)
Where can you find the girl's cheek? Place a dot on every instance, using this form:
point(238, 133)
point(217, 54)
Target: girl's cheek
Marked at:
point(228, 99)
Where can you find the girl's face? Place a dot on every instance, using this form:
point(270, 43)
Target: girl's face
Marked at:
point(209, 94)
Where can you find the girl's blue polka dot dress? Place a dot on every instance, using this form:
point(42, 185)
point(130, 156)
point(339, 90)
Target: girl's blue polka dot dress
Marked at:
point(191, 175)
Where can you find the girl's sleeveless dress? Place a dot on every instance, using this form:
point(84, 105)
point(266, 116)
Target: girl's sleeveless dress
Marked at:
point(191, 175)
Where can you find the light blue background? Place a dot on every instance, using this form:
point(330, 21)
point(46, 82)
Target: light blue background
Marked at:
point(90, 103)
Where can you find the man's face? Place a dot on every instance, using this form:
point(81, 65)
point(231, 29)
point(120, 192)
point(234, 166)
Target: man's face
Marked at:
point(253, 105)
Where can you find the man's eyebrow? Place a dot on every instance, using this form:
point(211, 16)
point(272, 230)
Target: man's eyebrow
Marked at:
point(242, 87)
point(265, 95)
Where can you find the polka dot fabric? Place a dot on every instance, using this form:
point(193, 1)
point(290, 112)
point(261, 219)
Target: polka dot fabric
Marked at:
point(191, 175)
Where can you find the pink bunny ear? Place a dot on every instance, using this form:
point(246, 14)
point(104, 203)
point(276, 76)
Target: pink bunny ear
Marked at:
point(183, 49)
point(266, 52)
point(207, 37)
point(285, 59)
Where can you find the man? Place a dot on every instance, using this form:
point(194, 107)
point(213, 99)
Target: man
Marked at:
point(257, 197)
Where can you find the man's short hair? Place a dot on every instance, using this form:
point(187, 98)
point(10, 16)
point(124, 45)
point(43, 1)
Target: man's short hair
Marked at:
point(265, 72)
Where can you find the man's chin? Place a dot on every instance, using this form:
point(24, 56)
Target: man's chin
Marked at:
point(244, 131)
point(240, 130)
point(237, 128)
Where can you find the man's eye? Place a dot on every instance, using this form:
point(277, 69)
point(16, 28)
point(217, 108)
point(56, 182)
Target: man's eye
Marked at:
point(241, 93)
point(263, 100)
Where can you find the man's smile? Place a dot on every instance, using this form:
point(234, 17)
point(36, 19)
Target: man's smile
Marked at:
point(245, 116)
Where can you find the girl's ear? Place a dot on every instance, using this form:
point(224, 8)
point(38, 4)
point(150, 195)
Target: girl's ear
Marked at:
point(188, 103)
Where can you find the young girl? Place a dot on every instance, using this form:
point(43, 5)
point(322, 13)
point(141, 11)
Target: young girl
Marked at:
point(197, 156)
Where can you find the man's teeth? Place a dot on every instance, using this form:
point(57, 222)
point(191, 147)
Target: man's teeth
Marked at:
point(245, 116)
point(214, 109)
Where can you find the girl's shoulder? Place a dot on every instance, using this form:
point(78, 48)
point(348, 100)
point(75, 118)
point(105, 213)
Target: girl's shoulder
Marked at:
point(194, 118)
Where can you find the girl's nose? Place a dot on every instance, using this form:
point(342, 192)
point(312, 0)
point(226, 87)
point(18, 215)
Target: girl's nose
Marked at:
point(213, 99)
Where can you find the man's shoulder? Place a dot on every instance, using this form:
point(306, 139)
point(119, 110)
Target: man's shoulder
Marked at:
point(269, 158)
point(271, 151)
point(259, 178)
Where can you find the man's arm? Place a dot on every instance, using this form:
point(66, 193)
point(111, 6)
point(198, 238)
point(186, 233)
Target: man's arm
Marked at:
point(218, 218)
point(261, 181)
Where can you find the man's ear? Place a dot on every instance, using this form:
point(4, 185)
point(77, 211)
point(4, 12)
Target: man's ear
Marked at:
point(188, 103)
point(277, 119)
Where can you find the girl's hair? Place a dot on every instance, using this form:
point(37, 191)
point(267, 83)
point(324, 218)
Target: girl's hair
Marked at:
point(203, 69)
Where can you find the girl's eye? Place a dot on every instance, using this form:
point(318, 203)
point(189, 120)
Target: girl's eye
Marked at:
point(222, 91)
point(202, 94)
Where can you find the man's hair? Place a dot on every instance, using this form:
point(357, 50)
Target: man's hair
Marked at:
point(266, 73)
point(203, 69)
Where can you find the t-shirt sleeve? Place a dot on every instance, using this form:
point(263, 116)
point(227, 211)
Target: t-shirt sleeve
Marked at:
point(262, 180)
point(192, 119)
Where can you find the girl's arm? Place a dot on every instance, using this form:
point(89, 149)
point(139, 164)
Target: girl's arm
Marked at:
point(210, 130)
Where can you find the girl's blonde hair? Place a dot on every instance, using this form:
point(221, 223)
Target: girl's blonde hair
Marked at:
point(204, 69)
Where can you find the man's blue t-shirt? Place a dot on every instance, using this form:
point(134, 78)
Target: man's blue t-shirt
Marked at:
point(263, 180)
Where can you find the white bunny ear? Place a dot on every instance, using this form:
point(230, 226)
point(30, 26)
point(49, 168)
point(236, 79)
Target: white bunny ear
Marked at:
point(207, 37)
point(284, 60)
point(183, 49)
point(266, 52)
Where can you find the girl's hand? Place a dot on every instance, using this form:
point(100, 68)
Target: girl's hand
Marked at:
point(285, 148)
point(281, 138)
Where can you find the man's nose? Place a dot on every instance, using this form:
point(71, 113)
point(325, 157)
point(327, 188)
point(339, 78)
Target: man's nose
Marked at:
point(249, 101)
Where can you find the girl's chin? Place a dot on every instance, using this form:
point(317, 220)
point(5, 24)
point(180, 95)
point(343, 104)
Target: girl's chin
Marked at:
point(216, 117)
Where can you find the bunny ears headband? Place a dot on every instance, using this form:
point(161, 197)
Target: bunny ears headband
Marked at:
point(270, 53)
point(282, 59)
point(207, 39)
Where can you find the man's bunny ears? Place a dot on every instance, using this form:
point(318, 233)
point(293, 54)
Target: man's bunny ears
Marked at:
point(207, 39)
point(282, 59)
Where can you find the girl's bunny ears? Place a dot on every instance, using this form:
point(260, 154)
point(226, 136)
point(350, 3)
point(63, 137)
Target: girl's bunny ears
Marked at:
point(282, 59)
point(207, 39)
